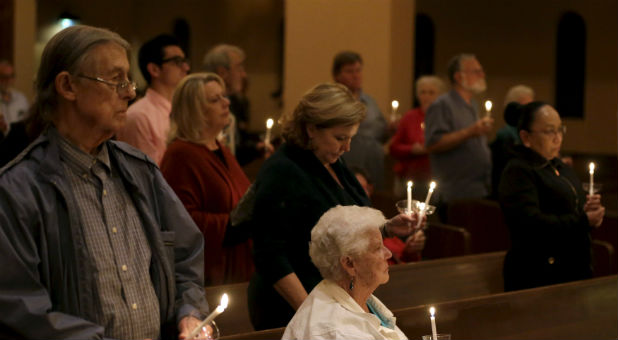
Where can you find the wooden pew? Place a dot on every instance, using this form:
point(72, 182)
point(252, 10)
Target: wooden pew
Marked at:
point(422, 282)
point(410, 284)
point(577, 310)
point(608, 232)
point(483, 219)
point(275, 333)
point(446, 241)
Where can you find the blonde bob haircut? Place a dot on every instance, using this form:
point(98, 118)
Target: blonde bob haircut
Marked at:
point(326, 105)
point(188, 107)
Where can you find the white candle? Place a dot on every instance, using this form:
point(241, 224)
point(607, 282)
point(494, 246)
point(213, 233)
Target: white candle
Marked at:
point(432, 186)
point(394, 106)
point(409, 211)
point(269, 126)
point(434, 331)
point(591, 187)
point(488, 105)
point(212, 316)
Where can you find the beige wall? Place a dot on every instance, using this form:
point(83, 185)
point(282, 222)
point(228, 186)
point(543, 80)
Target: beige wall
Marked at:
point(516, 42)
point(380, 30)
point(25, 34)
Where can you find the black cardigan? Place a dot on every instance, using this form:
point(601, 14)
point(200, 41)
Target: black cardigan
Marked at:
point(543, 202)
point(293, 190)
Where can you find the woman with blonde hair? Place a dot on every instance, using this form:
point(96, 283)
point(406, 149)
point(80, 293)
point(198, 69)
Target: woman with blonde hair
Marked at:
point(205, 175)
point(303, 179)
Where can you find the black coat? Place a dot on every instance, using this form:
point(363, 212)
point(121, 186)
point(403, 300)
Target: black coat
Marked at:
point(543, 202)
point(293, 190)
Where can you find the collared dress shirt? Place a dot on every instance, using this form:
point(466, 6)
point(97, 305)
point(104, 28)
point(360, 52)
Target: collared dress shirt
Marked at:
point(128, 307)
point(147, 125)
point(329, 312)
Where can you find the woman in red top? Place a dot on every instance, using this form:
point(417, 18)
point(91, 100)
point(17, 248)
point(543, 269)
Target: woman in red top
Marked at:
point(205, 175)
point(408, 145)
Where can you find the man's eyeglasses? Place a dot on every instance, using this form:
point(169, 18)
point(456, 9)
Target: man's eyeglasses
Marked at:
point(553, 132)
point(121, 87)
point(178, 60)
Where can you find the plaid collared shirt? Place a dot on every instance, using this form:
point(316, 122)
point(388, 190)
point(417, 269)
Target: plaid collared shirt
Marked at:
point(128, 307)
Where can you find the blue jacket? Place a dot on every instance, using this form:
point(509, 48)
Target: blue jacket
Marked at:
point(46, 288)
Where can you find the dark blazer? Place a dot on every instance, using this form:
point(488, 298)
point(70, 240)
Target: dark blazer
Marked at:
point(293, 190)
point(543, 202)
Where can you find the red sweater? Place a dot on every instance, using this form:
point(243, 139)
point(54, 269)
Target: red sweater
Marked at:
point(411, 130)
point(209, 191)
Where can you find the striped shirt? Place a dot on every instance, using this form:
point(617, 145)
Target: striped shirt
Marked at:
point(128, 307)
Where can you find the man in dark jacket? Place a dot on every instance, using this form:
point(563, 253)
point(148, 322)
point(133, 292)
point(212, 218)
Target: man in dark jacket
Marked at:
point(93, 242)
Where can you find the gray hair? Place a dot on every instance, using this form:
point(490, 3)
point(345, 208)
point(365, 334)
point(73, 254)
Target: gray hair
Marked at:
point(67, 51)
point(326, 105)
point(342, 231)
point(515, 93)
point(219, 56)
point(454, 65)
point(436, 81)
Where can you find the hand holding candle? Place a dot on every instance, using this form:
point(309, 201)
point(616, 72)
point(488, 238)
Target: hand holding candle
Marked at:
point(434, 331)
point(269, 126)
point(212, 316)
point(591, 186)
point(394, 106)
point(409, 206)
point(488, 105)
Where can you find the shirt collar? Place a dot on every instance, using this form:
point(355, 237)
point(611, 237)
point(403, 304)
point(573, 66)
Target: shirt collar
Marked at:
point(76, 158)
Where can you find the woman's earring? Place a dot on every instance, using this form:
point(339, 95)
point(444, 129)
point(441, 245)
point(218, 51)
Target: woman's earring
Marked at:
point(352, 284)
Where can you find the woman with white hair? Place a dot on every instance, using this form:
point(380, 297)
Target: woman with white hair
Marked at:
point(346, 246)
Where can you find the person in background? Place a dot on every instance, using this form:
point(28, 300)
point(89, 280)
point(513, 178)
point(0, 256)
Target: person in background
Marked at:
point(366, 149)
point(548, 214)
point(93, 242)
point(205, 175)
point(13, 104)
point(228, 61)
point(455, 136)
point(302, 180)
point(408, 145)
point(163, 64)
point(346, 246)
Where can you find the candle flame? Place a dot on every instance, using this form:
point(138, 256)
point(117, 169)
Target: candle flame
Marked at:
point(432, 186)
point(269, 123)
point(432, 311)
point(488, 105)
point(410, 184)
point(591, 166)
point(223, 303)
point(395, 104)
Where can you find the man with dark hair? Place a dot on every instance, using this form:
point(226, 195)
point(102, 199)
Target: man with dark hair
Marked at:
point(455, 135)
point(163, 64)
point(93, 242)
point(366, 148)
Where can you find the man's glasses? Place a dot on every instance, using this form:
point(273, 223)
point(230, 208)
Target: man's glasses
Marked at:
point(177, 60)
point(121, 87)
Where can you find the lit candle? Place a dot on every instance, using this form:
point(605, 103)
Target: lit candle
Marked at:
point(488, 106)
point(269, 126)
point(409, 211)
point(434, 332)
point(212, 316)
point(432, 186)
point(591, 187)
point(423, 206)
point(394, 106)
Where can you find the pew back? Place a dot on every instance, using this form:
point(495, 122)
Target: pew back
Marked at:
point(576, 310)
point(418, 283)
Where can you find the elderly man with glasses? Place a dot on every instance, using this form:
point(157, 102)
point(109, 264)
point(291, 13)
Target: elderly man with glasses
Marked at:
point(93, 242)
point(163, 64)
point(455, 135)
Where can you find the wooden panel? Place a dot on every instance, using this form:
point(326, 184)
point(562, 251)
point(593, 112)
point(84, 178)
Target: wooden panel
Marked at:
point(6, 29)
point(577, 310)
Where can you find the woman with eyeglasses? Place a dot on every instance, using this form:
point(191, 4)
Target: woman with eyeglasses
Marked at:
point(548, 214)
point(206, 176)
